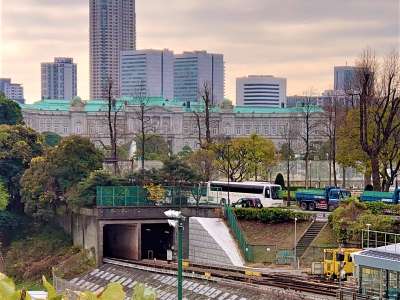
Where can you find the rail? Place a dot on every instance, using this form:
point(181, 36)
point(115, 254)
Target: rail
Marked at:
point(236, 274)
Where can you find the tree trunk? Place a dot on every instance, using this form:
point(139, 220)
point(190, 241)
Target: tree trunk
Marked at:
point(367, 178)
point(288, 179)
point(334, 173)
point(143, 140)
point(306, 175)
point(344, 177)
point(376, 182)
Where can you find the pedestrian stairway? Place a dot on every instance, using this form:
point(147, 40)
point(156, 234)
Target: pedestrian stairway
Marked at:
point(308, 237)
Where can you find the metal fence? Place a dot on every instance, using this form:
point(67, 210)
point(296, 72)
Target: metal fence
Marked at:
point(109, 196)
point(374, 239)
point(270, 254)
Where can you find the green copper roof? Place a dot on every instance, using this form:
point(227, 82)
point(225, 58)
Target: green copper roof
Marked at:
point(101, 105)
point(271, 110)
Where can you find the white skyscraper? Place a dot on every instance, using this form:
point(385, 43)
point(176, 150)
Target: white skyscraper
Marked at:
point(12, 91)
point(192, 70)
point(112, 30)
point(59, 79)
point(261, 90)
point(148, 71)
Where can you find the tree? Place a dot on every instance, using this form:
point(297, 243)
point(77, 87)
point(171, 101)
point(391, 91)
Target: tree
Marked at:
point(204, 115)
point(185, 153)
point(230, 158)
point(156, 148)
point(4, 196)
point(280, 180)
point(379, 106)
point(178, 172)
point(10, 111)
point(309, 125)
point(261, 154)
point(46, 183)
point(290, 134)
point(112, 117)
point(18, 145)
point(84, 194)
point(51, 139)
point(202, 162)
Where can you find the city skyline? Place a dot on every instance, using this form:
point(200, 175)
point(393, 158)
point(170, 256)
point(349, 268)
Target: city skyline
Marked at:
point(265, 37)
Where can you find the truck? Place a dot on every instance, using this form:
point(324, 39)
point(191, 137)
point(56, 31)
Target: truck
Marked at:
point(323, 199)
point(386, 197)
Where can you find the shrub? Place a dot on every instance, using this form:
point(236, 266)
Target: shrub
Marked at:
point(270, 215)
point(352, 217)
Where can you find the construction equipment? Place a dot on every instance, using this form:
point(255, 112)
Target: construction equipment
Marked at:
point(338, 263)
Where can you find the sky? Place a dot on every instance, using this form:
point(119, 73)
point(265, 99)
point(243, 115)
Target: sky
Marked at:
point(298, 39)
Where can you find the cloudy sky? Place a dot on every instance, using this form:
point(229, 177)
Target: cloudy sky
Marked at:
point(298, 39)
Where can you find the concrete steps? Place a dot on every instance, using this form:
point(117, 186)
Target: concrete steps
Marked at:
point(210, 242)
point(308, 237)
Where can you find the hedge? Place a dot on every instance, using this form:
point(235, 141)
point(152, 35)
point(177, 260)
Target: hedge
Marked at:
point(383, 208)
point(270, 215)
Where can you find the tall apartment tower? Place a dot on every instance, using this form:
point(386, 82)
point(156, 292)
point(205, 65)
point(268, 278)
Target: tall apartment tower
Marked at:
point(59, 79)
point(112, 30)
point(344, 78)
point(192, 70)
point(147, 73)
point(12, 91)
point(258, 90)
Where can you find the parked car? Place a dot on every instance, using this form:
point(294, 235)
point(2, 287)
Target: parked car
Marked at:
point(248, 202)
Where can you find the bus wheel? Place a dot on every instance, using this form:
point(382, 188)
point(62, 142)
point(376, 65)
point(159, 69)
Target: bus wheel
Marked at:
point(303, 206)
point(311, 206)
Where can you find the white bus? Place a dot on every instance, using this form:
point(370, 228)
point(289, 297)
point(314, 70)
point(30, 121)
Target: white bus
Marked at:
point(268, 193)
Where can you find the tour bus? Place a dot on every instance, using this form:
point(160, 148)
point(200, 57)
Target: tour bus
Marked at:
point(268, 193)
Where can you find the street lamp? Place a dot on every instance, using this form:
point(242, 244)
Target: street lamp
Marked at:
point(295, 241)
point(175, 219)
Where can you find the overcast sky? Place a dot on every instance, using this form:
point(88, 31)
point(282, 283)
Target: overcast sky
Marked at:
point(298, 39)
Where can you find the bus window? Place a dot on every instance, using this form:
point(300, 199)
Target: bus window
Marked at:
point(275, 192)
point(267, 193)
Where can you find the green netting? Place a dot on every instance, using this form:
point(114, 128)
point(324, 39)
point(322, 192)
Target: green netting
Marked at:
point(121, 196)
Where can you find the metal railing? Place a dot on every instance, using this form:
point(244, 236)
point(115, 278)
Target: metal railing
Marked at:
point(375, 239)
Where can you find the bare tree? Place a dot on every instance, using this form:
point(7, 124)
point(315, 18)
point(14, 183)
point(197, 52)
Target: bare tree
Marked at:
point(289, 134)
point(333, 115)
point(379, 106)
point(145, 126)
point(309, 125)
point(203, 116)
point(390, 158)
point(113, 110)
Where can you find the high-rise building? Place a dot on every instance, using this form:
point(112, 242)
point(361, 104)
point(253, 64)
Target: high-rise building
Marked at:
point(147, 73)
point(344, 78)
point(12, 91)
point(59, 79)
point(194, 70)
point(112, 30)
point(261, 90)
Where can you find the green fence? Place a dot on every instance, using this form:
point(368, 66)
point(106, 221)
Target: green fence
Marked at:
point(247, 250)
point(138, 196)
point(269, 254)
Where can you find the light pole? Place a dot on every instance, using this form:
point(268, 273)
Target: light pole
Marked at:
point(295, 242)
point(175, 219)
point(368, 228)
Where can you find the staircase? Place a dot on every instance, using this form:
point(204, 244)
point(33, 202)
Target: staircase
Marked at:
point(308, 237)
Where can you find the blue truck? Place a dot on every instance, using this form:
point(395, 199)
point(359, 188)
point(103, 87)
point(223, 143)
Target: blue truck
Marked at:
point(386, 197)
point(322, 199)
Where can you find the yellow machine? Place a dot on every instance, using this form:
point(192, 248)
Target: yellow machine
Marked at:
point(338, 261)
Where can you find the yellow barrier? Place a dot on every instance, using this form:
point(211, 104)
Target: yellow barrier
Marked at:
point(253, 273)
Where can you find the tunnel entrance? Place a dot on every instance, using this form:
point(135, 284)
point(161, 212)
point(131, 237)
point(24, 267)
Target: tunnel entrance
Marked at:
point(156, 240)
point(121, 241)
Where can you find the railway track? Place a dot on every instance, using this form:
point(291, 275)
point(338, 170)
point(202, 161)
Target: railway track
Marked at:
point(253, 276)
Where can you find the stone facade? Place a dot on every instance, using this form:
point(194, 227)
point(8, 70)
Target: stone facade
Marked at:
point(176, 123)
